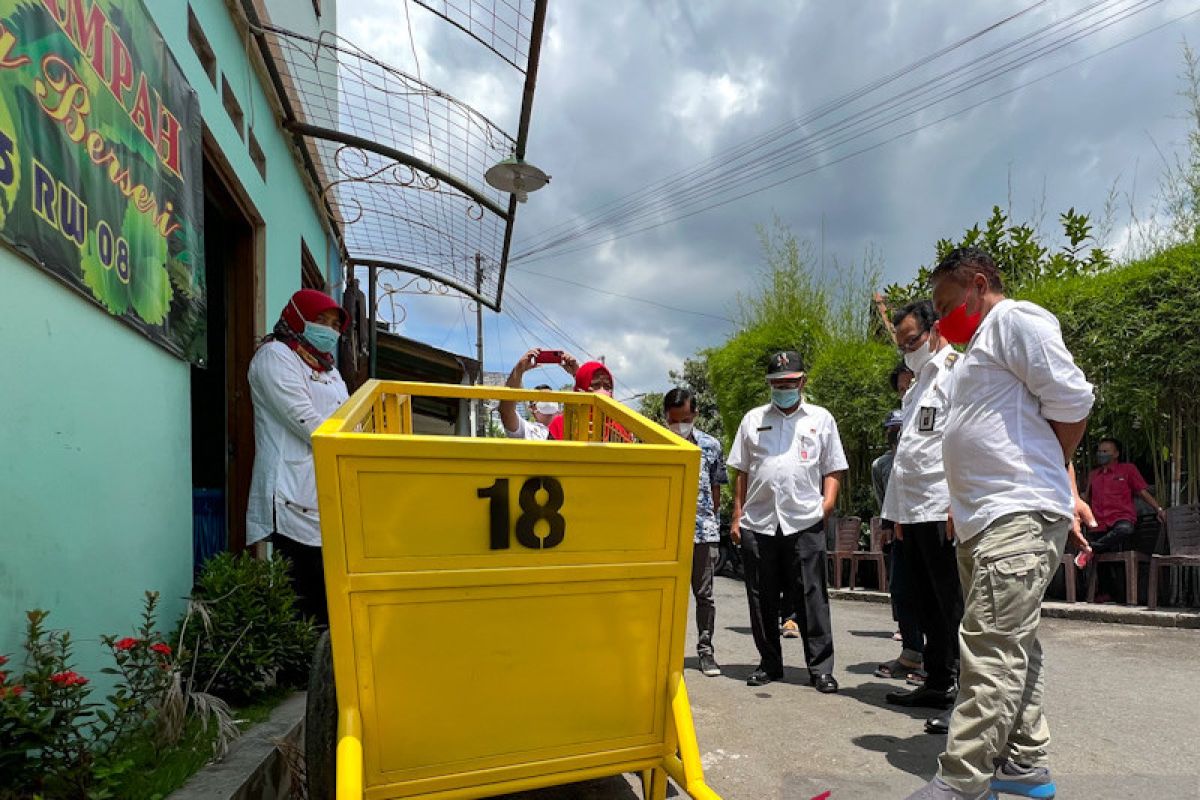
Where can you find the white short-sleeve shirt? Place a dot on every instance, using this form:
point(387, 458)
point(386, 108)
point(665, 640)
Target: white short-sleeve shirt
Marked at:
point(785, 458)
point(528, 429)
point(1001, 454)
point(916, 490)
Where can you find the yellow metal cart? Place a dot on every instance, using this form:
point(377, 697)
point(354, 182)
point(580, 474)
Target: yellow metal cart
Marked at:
point(504, 614)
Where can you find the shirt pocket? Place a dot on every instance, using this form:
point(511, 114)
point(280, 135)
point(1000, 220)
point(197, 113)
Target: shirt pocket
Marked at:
point(807, 449)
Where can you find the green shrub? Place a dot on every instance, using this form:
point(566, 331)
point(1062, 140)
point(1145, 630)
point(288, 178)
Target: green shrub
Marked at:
point(241, 633)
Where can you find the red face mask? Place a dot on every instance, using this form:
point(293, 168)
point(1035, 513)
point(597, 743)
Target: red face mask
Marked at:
point(958, 326)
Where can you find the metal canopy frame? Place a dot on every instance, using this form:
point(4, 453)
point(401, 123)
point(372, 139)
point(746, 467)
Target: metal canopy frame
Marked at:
point(399, 164)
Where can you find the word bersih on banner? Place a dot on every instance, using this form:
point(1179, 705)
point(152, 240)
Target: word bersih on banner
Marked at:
point(100, 162)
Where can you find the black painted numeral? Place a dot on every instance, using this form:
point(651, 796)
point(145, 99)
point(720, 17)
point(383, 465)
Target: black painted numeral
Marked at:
point(531, 512)
point(497, 512)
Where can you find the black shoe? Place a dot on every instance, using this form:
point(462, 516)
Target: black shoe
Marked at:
point(826, 684)
point(924, 697)
point(708, 666)
point(760, 677)
point(939, 724)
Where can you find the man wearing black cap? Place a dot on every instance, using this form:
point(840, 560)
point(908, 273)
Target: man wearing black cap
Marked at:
point(789, 463)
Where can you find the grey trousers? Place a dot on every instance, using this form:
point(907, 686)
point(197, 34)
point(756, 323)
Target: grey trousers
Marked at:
point(704, 563)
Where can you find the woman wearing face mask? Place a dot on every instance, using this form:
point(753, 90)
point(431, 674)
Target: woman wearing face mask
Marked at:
point(294, 387)
point(596, 378)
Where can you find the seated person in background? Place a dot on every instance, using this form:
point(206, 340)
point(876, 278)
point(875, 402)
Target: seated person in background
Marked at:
point(1112, 486)
point(542, 413)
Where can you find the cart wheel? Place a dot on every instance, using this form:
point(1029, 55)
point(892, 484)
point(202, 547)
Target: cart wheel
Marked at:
point(320, 724)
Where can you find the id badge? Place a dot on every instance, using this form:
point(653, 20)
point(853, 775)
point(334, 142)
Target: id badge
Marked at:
point(926, 418)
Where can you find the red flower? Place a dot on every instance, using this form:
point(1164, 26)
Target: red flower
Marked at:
point(17, 690)
point(68, 678)
point(128, 643)
point(161, 649)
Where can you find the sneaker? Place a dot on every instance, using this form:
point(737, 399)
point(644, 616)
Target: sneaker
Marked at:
point(790, 630)
point(937, 789)
point(708, 666)
point(1022, 781)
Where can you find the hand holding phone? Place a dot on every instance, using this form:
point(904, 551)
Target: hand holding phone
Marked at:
point(549, 357)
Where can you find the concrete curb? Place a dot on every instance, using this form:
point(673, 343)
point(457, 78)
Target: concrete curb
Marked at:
point(257, 766)
point(1086, 612)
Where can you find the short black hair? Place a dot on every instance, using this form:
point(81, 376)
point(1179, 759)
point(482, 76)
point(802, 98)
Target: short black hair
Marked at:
point(678, 397)
point(922, 310)
point(963, 262)
point(1115, 442)
point(897, 371)
point(541, 386)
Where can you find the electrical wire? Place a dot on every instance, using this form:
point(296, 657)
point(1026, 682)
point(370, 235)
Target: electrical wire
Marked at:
point(679, 216)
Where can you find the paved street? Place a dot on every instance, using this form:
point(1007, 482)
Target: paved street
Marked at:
point(1124, 706)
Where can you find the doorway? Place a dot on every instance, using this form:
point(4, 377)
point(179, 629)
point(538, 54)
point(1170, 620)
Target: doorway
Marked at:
point(222, 414)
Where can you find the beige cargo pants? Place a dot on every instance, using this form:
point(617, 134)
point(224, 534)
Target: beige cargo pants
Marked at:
point(1004, 573)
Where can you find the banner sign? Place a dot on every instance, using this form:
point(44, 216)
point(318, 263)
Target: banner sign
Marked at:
point(100, 162)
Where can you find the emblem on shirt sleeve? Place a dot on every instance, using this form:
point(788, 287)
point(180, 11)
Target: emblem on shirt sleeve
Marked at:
point(926, 419)
point(950, 359)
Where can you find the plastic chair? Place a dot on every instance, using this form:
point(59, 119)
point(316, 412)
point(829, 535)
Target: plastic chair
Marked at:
point(1183, 546)
point(845, 546)
point(873, 556)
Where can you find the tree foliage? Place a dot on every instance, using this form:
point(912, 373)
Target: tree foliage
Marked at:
point(1022, 257)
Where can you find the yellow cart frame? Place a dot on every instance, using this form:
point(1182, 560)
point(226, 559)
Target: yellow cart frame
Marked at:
point(506, 614)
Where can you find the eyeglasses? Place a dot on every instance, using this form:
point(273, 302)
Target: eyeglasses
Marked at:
point(913, 342)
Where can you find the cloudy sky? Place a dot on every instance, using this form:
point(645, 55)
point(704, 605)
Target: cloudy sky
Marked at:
point(632, 92)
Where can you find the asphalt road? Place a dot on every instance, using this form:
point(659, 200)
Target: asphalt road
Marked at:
point(1123, 704)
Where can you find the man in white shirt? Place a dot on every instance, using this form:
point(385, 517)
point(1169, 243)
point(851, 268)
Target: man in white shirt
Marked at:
point(789, 463)
point(1018, 410)
point(918, 501)
point(541, 412)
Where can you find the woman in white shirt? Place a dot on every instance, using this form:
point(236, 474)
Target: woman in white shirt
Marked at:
point(294, 387)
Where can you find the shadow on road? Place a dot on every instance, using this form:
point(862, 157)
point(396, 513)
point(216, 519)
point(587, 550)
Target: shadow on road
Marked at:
point(872, 634)
point(916, 755)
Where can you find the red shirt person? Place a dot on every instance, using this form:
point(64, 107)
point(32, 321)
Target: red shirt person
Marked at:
point(1112, 487)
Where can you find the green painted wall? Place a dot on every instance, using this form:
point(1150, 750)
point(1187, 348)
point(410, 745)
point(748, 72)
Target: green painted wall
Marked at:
point(95, 476)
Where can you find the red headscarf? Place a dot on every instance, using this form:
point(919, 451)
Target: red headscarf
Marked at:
point(304, 306)
point(583, 383)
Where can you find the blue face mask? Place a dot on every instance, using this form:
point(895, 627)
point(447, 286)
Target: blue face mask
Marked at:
point(785, 398)
point(322, 337)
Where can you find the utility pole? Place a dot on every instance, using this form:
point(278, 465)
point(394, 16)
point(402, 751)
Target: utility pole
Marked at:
point(480, 406)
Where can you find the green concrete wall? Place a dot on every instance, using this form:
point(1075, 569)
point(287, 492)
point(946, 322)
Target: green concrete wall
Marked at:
point(95, 437)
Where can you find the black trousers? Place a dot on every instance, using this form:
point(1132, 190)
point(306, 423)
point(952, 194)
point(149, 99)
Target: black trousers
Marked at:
point(774, 565)
point(308, 577)
point(931, 569)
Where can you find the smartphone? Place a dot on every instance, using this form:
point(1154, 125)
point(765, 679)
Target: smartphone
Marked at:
point(549, 357)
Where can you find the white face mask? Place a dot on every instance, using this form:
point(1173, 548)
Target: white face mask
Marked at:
point(918, 358)
point(682, 429)
point(549, 409)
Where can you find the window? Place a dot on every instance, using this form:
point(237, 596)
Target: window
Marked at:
point(257, 155)
point(232, 107)
point(201, 47)
point(310, 273)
